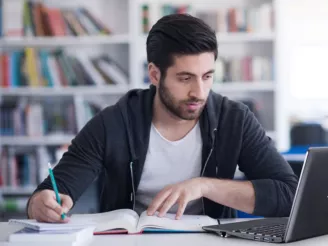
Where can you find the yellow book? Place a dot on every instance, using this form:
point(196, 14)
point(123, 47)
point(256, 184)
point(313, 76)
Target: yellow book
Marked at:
point(31, 65)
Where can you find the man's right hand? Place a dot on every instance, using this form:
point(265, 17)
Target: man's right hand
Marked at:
point(44, 207)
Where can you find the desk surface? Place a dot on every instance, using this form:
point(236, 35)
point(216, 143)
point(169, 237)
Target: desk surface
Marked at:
point(169, 239)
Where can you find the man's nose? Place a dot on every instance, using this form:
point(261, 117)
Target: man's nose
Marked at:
point(197, 89)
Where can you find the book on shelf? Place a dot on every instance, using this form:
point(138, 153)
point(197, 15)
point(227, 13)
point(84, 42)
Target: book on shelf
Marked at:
point(255, 19)
point(1, 17)
point(32, 67)
point(236, 69)
point(125, 221)
point(246, 68)
point(17, 169)
point(48, 118)
point(35, 119)
point(21, 170)
point(37, 19)
point(24, 169)
point(165, 9)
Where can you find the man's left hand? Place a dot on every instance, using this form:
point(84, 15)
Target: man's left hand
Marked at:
point(180, 193)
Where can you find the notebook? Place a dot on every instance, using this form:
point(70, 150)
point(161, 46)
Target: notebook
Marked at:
point(125, 221)
point(27, 236)
point(55, 227)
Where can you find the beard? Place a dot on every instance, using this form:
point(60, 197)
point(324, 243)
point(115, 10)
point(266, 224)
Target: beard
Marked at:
point(176, 107)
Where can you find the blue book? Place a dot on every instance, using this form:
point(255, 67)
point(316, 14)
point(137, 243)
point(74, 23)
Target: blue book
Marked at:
point(44, 56)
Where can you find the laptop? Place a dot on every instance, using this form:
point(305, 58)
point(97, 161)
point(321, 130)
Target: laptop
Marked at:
point(309, 214)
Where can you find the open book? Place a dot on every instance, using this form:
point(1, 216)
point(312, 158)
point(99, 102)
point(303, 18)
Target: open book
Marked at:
point(128, 221)
point(124, 221)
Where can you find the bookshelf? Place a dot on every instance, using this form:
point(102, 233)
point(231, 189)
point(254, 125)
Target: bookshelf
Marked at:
point(25, 152)
point(126, 46)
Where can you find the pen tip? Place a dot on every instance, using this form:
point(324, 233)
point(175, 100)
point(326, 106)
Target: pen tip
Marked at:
point(49, 165)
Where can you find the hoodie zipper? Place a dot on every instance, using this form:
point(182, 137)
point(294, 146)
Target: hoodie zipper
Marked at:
point(207, 159)
point(133, 194)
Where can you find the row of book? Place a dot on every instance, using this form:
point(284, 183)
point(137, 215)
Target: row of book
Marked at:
point(18, 169)
point(34, 18)
point(166, 9)
point(26, 168)
point(33, 67)
point(222, 20)
point(257, 68)
point(50, 117)
point(246, 20)
point(23, 118)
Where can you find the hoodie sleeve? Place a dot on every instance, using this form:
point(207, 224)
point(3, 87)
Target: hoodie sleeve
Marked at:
point(82, 163)
point(272, 177)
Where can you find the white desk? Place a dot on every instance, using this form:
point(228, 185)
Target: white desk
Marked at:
point(169, 239)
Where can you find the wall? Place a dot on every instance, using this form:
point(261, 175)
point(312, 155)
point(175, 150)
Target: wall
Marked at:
point(304, 42)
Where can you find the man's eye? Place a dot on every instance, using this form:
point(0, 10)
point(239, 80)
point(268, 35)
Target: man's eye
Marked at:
point(209, 76)
point(184, 78)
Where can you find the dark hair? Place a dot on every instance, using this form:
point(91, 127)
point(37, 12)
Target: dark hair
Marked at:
point(178, 34)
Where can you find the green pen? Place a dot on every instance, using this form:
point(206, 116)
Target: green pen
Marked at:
point(54, 185)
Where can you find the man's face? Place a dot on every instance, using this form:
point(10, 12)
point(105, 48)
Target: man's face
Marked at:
point(186, 86)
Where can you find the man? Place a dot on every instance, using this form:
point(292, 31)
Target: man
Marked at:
point(175, 146)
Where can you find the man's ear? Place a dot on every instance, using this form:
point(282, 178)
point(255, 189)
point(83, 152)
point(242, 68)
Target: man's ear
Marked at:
point(154, 73)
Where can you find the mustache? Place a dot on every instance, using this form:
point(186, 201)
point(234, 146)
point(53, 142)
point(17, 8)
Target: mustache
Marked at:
point(194, 100)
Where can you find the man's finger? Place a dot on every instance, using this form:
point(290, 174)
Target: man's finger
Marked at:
point(49, 215)
point(170, 201)
point(158, 200)
point(182, 206)
point(67, 203)
point(53, 204)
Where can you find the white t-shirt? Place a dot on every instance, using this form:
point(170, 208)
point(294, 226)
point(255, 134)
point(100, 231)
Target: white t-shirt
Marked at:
point(169, 162)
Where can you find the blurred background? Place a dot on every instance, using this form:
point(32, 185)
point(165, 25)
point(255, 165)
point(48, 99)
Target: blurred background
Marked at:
point(63, 61)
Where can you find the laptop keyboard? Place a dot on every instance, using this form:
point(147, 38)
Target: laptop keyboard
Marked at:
point(273, 230)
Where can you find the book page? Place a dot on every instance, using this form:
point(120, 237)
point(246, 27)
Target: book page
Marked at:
point(192, 223)
point(117, 219)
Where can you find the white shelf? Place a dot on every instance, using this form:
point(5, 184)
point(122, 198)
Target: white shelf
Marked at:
point(234, 37)
point(245, 37)
point(78, 90)
point(43, 140)
point(63, 41)
point(20, 190)
point(244, 86)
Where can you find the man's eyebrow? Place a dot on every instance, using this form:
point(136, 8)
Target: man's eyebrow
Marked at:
point(185, 73)
point(210, 71)
point(192, 74)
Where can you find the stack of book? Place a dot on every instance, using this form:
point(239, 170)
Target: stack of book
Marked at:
point(65, 236)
